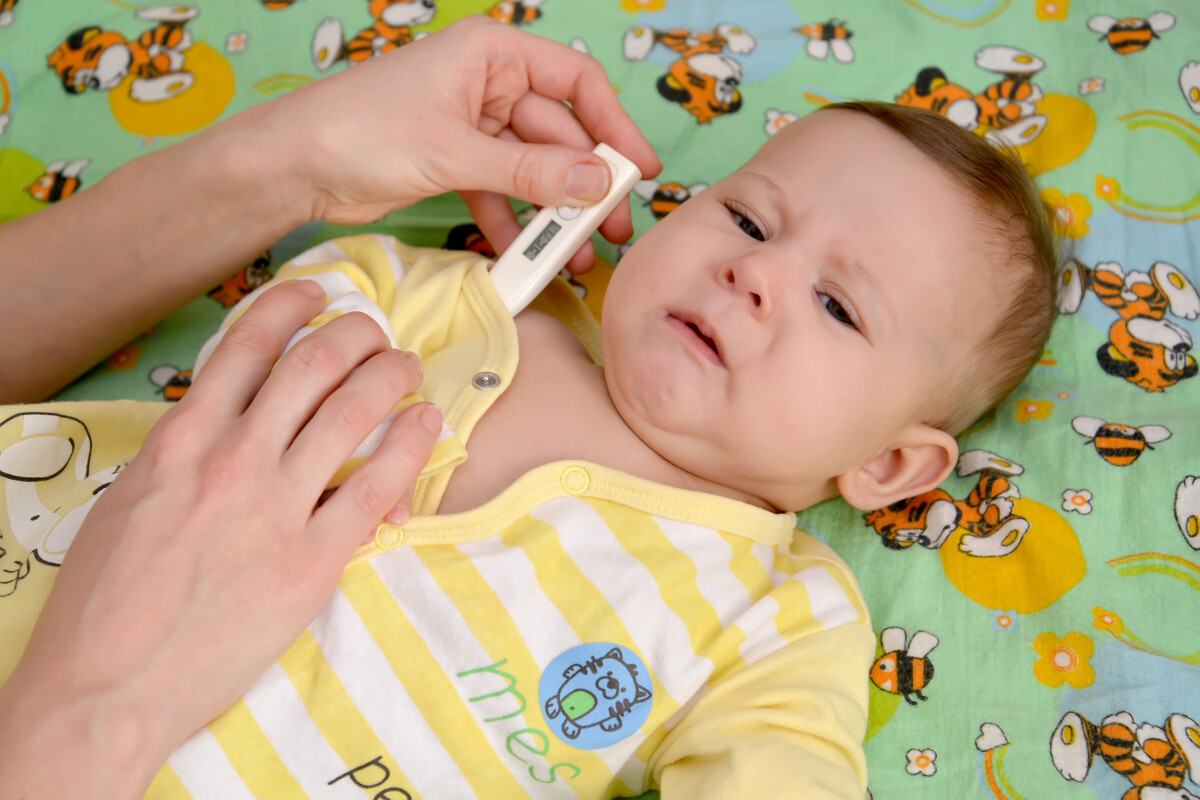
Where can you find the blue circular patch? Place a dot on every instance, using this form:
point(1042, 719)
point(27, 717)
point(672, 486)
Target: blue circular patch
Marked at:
point(595, 695)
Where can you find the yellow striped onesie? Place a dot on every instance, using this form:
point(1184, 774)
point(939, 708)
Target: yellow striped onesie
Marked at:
point(585, 634)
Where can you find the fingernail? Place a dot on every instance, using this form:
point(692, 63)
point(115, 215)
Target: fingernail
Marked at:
point(431, 419)
point(311, 288)
point(397, 516)
point(587, 182)
point(414, 361)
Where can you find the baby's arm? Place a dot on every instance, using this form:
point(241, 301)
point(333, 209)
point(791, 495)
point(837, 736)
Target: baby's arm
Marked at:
point(357, 273)
point(791, 725)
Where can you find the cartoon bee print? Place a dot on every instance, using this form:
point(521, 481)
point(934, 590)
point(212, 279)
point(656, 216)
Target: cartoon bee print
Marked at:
point(1130, 35)
point(904, 670)
point(59, 181)
point(824, 37)
point(663, 198)
point(516, 12)
point(1119, 444)
point(171, 381)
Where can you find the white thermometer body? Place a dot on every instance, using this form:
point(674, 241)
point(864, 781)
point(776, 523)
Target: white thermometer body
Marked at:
point(555, 234)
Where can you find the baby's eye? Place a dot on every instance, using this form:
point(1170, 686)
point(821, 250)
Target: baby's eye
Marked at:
point(837, 310)
point(744, 222)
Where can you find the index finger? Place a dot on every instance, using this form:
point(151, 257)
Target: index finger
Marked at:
point(563, 73)
point(249, 348)
point(536, 118)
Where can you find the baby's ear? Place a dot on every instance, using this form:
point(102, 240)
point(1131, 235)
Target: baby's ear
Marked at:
point(919, 460)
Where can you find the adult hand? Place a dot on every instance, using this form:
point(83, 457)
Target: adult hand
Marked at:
point(478, 106)
point(208, 555)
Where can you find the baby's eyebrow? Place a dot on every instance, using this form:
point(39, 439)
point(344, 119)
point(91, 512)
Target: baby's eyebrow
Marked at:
point(876, 297)
point(778, 199)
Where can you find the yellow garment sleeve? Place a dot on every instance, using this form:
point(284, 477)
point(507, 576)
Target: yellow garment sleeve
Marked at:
point(791, 725)
point(357, 273)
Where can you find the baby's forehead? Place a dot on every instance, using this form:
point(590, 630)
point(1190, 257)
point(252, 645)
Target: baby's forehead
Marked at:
point(836, 146)
point(941, 289)
point(835, 129)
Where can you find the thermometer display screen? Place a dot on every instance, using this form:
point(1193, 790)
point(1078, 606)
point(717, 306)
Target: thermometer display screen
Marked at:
point(543, 239)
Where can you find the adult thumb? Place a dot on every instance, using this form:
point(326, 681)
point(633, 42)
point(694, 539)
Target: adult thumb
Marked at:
point(543, 174)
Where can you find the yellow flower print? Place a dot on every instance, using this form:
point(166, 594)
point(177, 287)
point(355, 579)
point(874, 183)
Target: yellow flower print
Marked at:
point(1033, 409)
point(1052, 10)
point(1106, 620)
point(1071, 212)
point(1108, 188)
point(634, 6)
point(1064, 659)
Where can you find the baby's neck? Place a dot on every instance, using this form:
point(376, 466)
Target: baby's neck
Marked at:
point(557, 408)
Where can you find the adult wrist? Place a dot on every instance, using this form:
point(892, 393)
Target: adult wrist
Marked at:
point(256, 170)
point(91, 746)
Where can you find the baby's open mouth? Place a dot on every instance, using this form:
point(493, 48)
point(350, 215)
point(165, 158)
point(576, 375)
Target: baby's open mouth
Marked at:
point(701, 337)
point(708, 341)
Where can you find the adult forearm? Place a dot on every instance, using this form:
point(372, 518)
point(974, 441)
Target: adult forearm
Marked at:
point(81, 278)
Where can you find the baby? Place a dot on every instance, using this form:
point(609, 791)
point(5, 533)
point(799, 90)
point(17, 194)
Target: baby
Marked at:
point(609, 595)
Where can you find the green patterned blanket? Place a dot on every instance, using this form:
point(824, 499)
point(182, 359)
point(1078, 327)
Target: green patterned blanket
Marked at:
point(1039, 615)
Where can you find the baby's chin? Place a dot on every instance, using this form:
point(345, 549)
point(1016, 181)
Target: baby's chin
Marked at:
point(697, 468)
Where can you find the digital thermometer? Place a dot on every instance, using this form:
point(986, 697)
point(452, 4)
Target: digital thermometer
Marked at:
point(549, 241)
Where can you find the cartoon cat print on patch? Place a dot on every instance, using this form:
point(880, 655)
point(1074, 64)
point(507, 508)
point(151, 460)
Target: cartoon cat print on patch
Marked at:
point(597, 692)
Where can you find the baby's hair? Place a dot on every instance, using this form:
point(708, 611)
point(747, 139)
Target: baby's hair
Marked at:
point(1022, 238)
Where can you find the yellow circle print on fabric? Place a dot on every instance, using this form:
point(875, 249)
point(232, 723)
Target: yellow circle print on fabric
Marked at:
point(1044, 567)
point(190, 109)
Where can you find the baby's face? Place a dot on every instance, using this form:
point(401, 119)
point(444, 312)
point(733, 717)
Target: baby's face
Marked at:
point(789, 322)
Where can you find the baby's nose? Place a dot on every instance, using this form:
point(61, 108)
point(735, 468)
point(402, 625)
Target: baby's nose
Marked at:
point(752, 284)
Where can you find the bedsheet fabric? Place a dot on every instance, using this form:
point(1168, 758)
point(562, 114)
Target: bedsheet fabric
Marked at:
point(1038, 615)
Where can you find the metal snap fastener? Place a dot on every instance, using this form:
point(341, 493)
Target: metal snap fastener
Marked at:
point(485, 380)
point(575, 480)
point(389, 537)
